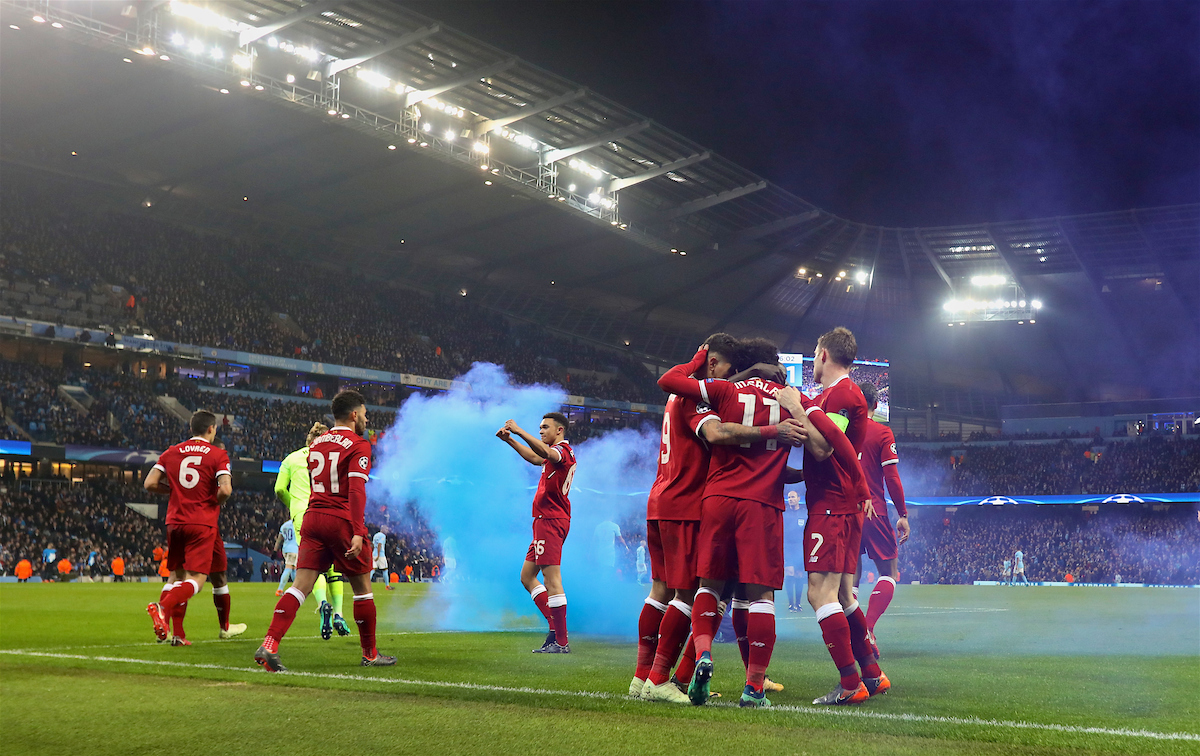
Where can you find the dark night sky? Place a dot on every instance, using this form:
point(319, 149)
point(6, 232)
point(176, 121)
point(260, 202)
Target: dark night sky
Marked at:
point(897, 113)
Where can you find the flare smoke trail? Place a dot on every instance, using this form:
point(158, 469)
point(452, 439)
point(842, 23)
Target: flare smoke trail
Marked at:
point(476, 492)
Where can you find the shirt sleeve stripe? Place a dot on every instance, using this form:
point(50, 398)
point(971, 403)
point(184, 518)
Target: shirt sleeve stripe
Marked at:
point(364, 476)
point(160, 468)
point(703, 391)
point(222, 472)
point(888, 462)
point(812, 409)
point(704, 420)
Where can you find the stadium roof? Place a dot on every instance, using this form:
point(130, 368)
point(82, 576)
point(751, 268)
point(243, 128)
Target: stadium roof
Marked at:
point(588, 216)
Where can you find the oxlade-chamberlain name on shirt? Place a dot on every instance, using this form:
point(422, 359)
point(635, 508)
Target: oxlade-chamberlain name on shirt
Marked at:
point(335, 438)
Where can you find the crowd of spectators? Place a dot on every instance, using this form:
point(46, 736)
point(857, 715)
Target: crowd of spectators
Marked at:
point(1138, 543)
point(211, 290)
point(1154, 464)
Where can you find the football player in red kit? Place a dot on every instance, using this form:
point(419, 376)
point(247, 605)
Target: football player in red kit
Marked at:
point(551, 521)
point(334, 530)
point(197, 476)
point(673, 522)
point(741, 528)
point(838, 500)
point(879, 540)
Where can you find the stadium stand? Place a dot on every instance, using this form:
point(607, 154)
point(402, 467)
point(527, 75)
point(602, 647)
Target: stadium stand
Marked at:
point(1138, 543)
point(210, 290)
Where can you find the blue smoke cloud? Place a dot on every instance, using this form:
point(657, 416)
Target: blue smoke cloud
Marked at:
point(476, 493)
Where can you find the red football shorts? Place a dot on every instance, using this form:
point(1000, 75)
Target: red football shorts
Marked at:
point(545, 550)
point(191, 548)
point(740, 540)
point(325, 541)
point(831, 542)
point(879, 538)
point(219, 562)
point(672, 545)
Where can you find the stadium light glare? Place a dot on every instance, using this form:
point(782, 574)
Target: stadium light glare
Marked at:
point(374, 78)
point(195, 47)
point(424, 144)
point(291, 79)
point(802, 271)
point(241, 60)
point(260, 88)
point(612, 223)
point(177, 39)
point(39, 19)
point(127, 60)
point(1036, 304)
point(244, 83)
point(995, 280)
point(216, 53)
point(146, 51)
point(427, 126)
point(861, 277)
point(272, 42)
point(1021, 303)
point(57, 25)
point(593, 198)
point(487, 183)
point(480, 147)
point(570, 187)
point(344, 115)
point(450, 135)
point(819, 276)
point(164, 57)
point(683, 253)
point(224, 91)
point(14, 26)
point(412, 140)
point(391, 146)
point(841, 274)
point(483, 167)
point(1031, 320)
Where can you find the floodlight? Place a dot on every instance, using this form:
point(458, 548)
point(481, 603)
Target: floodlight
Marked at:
point(241, 61)
point(216, 53)
point(861, 277)
point(480, 147)
point(819, 275)
point(195, 47)
point(683, 253)
point(291, 79)
point(1037, 304)
point(1031, 320)
point(427, 126)
point(344, 115)
point(487, 183)
point(14, 26)
point(331, 111)
point(39, 19)
point(391, 146)
point(127, 60)
point(224, 91)
point(570, 187)
point(593, 198)
point(996, 280)
point(244, 83)
point(177, 39)
point(272, 42)
point(841, 274)
point(450, 135)
point(164, 57)
point(57, 25)
point(411, 140)
point(483, 167)
point(1021, 303)
point(259, 87)
point(146, 51)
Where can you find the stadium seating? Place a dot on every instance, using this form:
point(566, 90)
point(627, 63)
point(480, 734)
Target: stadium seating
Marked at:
point(1140, 545)
point(210, 290)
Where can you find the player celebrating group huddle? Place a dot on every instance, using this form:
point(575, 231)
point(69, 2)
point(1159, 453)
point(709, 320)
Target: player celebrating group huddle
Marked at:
point(334, 530)
point(741, 528)
point(551, 520)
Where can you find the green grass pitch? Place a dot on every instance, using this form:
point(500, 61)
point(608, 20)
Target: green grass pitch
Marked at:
point(976, 670)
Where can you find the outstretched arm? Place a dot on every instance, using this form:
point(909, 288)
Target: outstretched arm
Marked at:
point(526, 453)
point(539, 447)
point(790, 431)
point(678, 379)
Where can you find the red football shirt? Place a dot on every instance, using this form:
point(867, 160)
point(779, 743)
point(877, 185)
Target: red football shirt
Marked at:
point(879, 451)
point(845, 398)
point(749, 471)
point(683, 459)
point(192, 469)
point(339, 464)
point(550, 501)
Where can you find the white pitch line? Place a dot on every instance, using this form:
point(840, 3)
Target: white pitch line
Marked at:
point(241, 639)
point(914, 614)
point(820, 711)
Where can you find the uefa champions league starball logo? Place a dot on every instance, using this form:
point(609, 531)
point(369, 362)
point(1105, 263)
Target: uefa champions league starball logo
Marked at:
point(1123, 499)
point(998, 501)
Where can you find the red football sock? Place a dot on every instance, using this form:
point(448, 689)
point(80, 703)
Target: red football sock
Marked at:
point(881, 596)
point(221, 601)
point(859, 643)
point(687, 664)
point(761, 632)
point(672, 634)
point(285, 614)
point(540, 598)
point(558, 615)
point(177, 615)
point(364, 617)
point(836, 632)
point(177, 595)
point(648, 636)
point(706, 620)
point(741, 624)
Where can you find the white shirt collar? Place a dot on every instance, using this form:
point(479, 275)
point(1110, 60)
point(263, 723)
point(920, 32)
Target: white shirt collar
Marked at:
point(340, 427)
point(839, 380)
